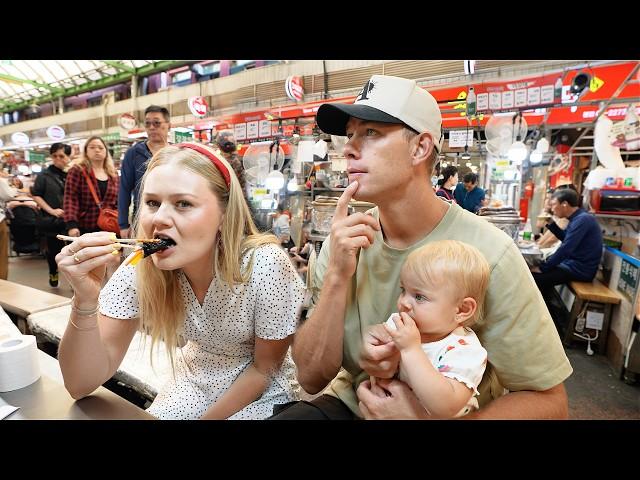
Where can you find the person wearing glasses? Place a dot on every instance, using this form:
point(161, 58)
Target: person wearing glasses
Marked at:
point(156, 123)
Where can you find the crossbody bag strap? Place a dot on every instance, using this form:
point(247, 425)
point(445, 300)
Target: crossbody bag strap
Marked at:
point(93, 191)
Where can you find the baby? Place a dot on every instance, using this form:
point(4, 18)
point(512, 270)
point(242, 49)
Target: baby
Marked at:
point(442, 289)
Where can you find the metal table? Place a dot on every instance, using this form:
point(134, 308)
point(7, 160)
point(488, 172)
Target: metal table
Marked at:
point(532, 254)
point(47, 399)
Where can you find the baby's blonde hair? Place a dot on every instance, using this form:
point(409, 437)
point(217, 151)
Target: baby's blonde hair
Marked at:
point(458, 265)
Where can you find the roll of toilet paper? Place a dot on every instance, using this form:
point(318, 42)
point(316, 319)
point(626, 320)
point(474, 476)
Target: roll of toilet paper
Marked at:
point(19, 365)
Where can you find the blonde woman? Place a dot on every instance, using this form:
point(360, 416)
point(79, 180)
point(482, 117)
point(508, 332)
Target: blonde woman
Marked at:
point(226, 290)
point(80, 209)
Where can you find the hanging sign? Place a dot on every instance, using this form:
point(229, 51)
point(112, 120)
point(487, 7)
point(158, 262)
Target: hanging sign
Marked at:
point(460, 138)
point(35, 157)
point(294, 88)
point(183, 136)
point(198, 106)
point(264, 128)
point(55, 132)
point(127, 121)
point(20, 138)
point(252, 130)
point(240, 131)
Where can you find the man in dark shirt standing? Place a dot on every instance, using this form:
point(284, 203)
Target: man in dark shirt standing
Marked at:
point(579, 254)
point(134, 164)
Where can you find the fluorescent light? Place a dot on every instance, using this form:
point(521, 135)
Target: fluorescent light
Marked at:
point(469, 67)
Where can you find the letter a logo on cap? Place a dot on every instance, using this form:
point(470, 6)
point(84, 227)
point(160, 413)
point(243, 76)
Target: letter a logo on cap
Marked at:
point(365, 91)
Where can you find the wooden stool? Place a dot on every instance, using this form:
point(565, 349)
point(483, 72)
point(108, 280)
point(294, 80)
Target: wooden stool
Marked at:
point(592, 292)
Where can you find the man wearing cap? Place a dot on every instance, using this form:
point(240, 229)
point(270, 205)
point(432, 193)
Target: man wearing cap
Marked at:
point(134, 164)
point(395, 132)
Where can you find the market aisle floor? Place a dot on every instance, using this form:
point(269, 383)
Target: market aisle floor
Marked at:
point(594, 391)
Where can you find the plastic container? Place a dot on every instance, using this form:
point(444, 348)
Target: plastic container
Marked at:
point(321, 217)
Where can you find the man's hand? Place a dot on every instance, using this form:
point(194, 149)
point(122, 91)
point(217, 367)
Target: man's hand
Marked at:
point(57, 212)
point(124, 233)
point(74, 232)
point(397, 402)
point(379, 356)
point(535, 269)
point(349, 233)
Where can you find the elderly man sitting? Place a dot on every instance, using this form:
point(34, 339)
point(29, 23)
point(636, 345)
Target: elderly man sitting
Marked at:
point(579, 254)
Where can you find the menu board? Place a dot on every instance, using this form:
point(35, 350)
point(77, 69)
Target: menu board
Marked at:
point(628, 281)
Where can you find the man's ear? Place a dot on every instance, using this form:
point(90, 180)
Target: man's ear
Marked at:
point(466, 309)
point(422, 148)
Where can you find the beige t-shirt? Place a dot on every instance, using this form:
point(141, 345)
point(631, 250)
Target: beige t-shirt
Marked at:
point(524, 349)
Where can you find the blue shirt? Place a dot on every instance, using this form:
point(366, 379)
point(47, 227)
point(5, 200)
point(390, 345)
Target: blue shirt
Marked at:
point(133, 167)
point(581, 247)
point(472, 200)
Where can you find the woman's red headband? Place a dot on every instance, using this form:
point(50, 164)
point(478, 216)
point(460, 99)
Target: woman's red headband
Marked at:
point(207, 153)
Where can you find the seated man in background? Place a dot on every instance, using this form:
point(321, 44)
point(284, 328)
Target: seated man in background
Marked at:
point(579, 255)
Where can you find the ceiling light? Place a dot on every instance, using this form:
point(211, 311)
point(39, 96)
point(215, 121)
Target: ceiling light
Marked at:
point(292, 185)
point(542, 146)
point(275, 180)
point(466, 155)
point(517, 152)
point(535, 157)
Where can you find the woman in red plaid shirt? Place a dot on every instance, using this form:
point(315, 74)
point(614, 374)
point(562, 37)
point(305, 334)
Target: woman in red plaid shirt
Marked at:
point(80, 209)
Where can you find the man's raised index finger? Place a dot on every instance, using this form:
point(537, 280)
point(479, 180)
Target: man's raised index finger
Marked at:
point(343, 202)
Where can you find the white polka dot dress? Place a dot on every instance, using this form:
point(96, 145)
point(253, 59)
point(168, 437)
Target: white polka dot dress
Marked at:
point(221, 333)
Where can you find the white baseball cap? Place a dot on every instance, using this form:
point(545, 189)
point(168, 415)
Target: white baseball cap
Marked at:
point(386, 99)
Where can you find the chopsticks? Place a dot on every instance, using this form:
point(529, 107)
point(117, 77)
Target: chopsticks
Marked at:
point(119, 240)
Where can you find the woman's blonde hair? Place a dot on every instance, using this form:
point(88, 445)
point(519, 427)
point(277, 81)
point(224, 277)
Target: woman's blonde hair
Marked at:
point(458, 265)
point(162, 309)
point(83, 160)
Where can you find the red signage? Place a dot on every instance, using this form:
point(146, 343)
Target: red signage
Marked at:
point(294, 88)
point(198, 106)
point(452, 100)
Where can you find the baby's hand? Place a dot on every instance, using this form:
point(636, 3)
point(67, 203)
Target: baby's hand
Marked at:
point(403, 330)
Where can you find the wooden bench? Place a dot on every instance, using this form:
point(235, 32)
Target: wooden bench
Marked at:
point(135, 371)
point(23, 301)
point(591, 292)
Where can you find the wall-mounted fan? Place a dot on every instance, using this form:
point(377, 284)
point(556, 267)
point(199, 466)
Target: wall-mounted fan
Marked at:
point(502, 131)
point(259, 159)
